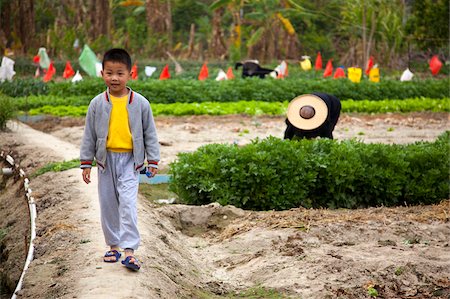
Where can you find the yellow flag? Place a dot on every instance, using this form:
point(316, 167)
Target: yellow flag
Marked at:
point(306, 64)
point(374, 74)
point(354, 74)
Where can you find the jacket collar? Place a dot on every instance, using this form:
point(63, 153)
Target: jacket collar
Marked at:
point(130, 95)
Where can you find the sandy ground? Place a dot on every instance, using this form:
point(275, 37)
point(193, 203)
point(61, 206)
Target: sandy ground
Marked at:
point(213, 251)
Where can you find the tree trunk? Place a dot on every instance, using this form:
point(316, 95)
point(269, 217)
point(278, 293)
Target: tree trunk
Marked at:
point(159, 21)
point(100, 16)
point(191, 42)
point(24, 24)
point(5, 26)
point(217, 47)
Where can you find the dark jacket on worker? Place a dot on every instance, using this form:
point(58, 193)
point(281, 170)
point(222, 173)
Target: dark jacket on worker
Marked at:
point(326, 129)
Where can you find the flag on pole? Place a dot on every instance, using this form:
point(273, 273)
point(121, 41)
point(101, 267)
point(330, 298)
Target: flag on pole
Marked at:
point(406, 76)
point(68, 71)
point(203, 72)
point(165, 73)
point(318, 64)
point(49, 72)
point(354, 74)
point(339, 73)
point(149, 70)
point(435, 65)
point(282, 70)
point(36, 59)
point(328, 69)
point(77, 77)
point(369, 65)
point(221, 76)
point(134, 72)
point(306, 63)
point(88, 61)
point(44, 61)
point(230, 74)
point(374, 74)
point(7, 69)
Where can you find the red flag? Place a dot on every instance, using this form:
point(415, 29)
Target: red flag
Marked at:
point(435, 65)
point(318, 65)
point(230, 74)
point(134, 72)
point(328, 69)
point(36, 59)
point(369, 65)
point(203, 72)
point(165, 73)
point(339, 73)
point(50, 72)
point(68, 71)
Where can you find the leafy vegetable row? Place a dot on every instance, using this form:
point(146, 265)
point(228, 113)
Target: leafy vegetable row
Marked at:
point(242, 107)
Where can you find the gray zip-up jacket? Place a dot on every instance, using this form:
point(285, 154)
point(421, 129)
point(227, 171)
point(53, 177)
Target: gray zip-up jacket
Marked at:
point(142, 127)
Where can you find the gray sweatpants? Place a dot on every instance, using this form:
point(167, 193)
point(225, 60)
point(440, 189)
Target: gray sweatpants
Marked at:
point(117, 189)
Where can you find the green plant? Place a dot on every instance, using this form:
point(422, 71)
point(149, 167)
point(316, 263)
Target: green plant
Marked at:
point(56, 167)
point(7, 110)
point(281, 174)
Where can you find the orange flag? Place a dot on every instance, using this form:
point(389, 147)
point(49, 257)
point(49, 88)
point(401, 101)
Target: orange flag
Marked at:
point(68, 71)
point(134, 72)
point(203, 72)
point(165, 73)
point(50, 72)
point(369, 65)
point(230, 74)
point(328, 69)
point(435, 65)
point(339, 73)
point(318, 65)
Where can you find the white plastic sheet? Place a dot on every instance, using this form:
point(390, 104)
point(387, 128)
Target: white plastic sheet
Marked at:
point(7, 69)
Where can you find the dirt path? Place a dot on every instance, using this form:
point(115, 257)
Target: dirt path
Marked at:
point(209, 251)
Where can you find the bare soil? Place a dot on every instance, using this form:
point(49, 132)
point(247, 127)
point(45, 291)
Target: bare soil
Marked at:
point(213, 251)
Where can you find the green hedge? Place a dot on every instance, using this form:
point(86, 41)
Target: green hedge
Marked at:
point(281, 174)
point(252, 89)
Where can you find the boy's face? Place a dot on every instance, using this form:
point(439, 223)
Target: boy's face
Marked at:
point(116, 76)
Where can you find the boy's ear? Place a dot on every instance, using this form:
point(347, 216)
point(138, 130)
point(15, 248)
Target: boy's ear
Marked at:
point(101, 73)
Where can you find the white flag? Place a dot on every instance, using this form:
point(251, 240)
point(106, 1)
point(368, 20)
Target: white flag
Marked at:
point(77, 77)
point(406, 76)
point(221, 75)
point(7, 69)
point(149, 70)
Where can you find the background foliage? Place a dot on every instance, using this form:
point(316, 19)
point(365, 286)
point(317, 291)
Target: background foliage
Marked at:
point(397, 33)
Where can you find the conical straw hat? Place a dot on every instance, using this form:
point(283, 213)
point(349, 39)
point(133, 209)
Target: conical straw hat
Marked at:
point(318, 118)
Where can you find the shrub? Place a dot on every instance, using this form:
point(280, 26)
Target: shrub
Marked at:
point(7, 110)
point(282, 174)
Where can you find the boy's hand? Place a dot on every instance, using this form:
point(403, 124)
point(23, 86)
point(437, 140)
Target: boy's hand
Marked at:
point(86, 175)
point(151, 172)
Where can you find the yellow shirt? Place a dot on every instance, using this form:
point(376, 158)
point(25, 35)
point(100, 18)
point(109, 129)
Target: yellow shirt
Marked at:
point(119, 136)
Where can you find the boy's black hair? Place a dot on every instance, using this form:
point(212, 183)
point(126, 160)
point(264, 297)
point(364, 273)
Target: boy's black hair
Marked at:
point(117, 55)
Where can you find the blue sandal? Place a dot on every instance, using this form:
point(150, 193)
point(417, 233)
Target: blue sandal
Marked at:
point(114, 253)
point(133, 265)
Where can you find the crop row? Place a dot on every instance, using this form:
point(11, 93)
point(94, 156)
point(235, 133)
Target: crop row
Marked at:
point(281, 174)
point(243, 107)
point(251, 89)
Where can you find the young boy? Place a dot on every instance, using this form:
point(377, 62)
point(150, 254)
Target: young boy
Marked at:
point(119, 133)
